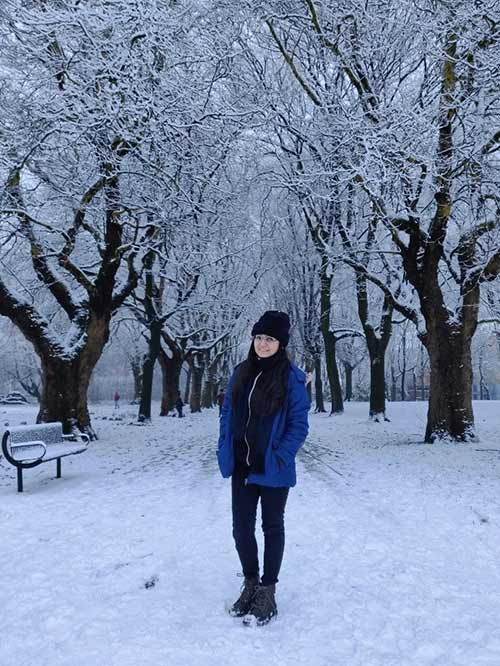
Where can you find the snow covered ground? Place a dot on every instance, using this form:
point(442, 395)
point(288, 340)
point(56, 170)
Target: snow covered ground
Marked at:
point(128, 560)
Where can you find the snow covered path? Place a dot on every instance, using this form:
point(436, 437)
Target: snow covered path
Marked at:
point(128, 560)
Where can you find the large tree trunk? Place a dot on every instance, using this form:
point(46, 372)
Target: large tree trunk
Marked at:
point(348, 380)
point(332, 372)
point(377, 385)
point(377, 345)
point(64, 395)
point(329, 340)
point(210, 386)
point(394, 388)
point(376, 348)
point(448, 333)
point(65, 382)
point(171, 372)
point(154, 347)
point(448, 343)
point(404, 366)
point(450, 396)
point(152, 308)
point(403, 382)
point(318, 386)
point(197, 370)
point(136, 368)
point(187, 389)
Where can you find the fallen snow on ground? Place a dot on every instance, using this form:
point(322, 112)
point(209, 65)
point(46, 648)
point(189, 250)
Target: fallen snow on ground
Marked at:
point(391, 556)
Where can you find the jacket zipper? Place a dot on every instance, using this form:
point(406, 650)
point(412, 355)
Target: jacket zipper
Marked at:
point(249, 415)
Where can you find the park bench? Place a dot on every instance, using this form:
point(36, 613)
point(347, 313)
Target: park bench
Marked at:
point(31, 445)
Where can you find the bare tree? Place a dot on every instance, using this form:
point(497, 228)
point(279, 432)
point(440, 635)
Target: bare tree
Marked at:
point(90, 100)
point(418, 95)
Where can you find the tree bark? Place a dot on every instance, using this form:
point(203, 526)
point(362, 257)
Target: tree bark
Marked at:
point(329, 340)
point(377, 385)
point(171, 372)
point(376, 349)
point(318, 386)
point(210, 385)
point(65, 382)
point(64, 395)
point(404, 366)
point(187, 390)
point(197, 370)
point(394, 387)
point(348, 369)
point(136, 368)
point(450, 393)
point(154, 346)
point(152, 314)
point(376, 344)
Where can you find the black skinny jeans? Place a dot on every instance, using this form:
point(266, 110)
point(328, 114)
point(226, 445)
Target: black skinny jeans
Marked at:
point(244, 504)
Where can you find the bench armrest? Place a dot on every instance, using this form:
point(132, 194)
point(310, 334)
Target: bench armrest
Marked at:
point(28, 451)
point(77, 435)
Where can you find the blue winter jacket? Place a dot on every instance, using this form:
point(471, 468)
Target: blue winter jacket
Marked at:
point(288, 432)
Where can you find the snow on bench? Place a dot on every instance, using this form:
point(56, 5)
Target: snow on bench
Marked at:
point(31, 445)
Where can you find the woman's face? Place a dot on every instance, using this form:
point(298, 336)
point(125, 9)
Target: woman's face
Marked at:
point(265, 345)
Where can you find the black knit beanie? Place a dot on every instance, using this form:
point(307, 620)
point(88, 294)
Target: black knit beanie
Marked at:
point(274, 323)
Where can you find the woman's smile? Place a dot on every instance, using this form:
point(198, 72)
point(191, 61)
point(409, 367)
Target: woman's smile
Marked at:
point(265, 345)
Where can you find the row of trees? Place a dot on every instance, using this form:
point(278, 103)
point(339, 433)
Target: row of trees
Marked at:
point(173, 163)
point(122, 363)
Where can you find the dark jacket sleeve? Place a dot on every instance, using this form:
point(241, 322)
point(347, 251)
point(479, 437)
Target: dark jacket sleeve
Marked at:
point(296, 424)
point(224, 420)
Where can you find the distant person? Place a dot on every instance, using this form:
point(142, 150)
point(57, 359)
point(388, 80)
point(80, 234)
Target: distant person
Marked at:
point(220, 401)
point(178, 406)
point(262, 426)
point(116, 399)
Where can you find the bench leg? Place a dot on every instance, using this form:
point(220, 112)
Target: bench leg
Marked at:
point(19, 479)
point(58, 468)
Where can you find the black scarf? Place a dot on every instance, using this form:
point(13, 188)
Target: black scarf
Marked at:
point(255, 430)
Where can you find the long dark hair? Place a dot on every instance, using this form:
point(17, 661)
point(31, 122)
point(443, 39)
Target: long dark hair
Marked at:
point(272, 387)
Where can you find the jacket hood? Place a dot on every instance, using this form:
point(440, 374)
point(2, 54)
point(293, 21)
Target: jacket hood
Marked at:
point(299, 374)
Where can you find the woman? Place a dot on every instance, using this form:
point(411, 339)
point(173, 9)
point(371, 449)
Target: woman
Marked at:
point(263, 424)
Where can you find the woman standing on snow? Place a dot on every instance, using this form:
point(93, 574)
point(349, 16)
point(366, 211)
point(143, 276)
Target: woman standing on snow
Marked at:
point(263, 424)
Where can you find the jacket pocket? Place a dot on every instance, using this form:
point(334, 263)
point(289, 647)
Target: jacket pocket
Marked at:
point(226, 462)
point(274, 463)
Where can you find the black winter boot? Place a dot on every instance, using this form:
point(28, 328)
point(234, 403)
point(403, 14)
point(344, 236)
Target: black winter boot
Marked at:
point(242, 605)
point(263, 607)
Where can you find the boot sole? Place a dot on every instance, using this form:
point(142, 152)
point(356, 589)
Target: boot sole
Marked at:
point(252, 621)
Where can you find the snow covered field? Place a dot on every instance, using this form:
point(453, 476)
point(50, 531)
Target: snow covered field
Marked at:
point(128, 560)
